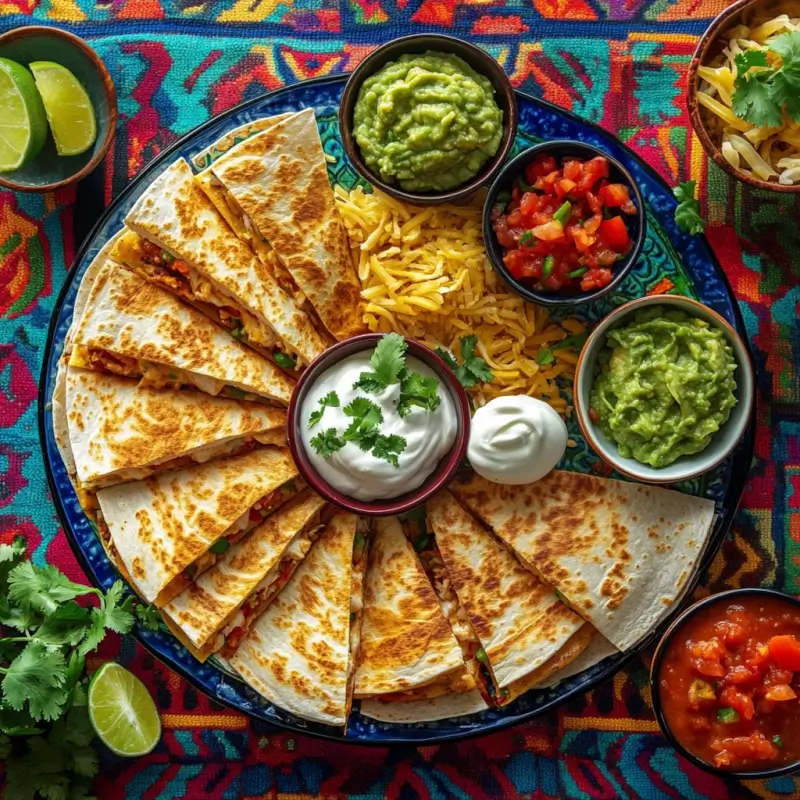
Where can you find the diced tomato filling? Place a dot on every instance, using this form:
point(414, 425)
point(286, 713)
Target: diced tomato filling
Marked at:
point(553, 229)
point(730, 684)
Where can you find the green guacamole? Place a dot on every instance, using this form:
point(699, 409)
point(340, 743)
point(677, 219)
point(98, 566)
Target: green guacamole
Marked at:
point(664, 386)
point(427, 122)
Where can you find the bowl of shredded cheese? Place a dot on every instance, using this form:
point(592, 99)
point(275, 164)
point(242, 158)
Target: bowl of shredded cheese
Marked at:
point(425, 274)
point(744, 93)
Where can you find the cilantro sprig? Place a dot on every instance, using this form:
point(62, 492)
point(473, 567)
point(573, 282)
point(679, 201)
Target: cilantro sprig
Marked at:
point(687, 213)
point(765, 89)
point(388, 361)
point(45, 636)
point(473, 369)
point(331, 400)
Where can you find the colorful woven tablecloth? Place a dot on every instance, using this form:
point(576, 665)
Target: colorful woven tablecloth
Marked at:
point(621, 63)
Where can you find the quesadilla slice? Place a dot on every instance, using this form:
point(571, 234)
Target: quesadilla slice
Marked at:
point(277, 180)
point(59, 398)
point(215, 613)
point(179, 241)
point(132, 327)
point(300, 654)
point(619, 553)
point(169, 529)
point(120, 431)
point(408, 650)
point(501, 613)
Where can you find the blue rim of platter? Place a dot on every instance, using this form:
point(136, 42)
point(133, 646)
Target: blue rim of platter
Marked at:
point(706, 280)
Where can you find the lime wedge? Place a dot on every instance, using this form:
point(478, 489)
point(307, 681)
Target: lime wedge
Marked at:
point(23, 125)
point(69, 109)
point(122, 712)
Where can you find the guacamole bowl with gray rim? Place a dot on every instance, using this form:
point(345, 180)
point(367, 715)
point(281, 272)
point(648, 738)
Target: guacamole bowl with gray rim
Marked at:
point(686, 466)
point(419, 44)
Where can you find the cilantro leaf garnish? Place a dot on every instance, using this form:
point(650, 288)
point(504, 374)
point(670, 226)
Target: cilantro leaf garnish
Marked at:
point(416, 390)
point(388, 361)
point(331, 400)
point(545, 356)
point(366, 416)
point(763, 91)
point(327, 443)
point(35, 678)
point(687, 214)
point(752, 99)
point(473, 369)
point(389, 447)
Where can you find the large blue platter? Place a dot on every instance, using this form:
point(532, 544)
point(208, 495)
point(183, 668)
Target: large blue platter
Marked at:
point(686, 263)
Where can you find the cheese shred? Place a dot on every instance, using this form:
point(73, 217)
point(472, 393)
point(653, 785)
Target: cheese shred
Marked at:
point(425, 274)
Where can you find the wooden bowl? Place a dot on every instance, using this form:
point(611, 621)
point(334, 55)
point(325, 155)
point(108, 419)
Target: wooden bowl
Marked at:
point(49, 171)
point(480, 61)
point(708, 48)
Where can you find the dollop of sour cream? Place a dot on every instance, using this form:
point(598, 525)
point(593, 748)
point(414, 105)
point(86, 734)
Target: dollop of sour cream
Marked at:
point(428, 434)
point(516, 439)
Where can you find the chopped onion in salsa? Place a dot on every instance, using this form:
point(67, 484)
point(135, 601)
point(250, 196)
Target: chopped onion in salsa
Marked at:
point(563, 228)
point(729, 684)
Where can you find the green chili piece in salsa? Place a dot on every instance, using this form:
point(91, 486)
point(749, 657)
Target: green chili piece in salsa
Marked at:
point(664, 386)
point(428, 122)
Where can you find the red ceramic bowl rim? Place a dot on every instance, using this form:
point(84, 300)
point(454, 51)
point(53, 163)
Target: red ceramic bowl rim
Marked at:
point(435, 482)
point(587, 428)
point(655, 671)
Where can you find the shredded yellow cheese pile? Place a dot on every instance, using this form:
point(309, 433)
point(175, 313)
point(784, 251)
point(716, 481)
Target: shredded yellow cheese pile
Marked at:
point(425, 274)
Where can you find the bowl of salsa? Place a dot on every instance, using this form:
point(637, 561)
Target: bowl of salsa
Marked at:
point(563, 223)
point(725, 683)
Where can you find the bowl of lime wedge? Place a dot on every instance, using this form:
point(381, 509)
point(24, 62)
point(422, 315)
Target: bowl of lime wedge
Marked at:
point(62, 109)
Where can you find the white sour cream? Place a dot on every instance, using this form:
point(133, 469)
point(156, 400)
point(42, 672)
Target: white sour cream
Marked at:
point(516, 439)
point(428, 434)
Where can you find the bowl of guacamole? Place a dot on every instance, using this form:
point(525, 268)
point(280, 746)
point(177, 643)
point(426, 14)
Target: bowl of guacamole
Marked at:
point(428, 118)
point(664, 388)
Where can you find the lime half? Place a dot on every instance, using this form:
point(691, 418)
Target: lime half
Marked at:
point(122, 712)
point(69, 109)
point(23, 125)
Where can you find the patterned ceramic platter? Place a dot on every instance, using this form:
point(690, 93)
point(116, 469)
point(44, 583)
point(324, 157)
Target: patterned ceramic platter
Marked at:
point(670, 261)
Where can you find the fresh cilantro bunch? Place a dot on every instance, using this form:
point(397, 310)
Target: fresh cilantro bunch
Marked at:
point(687, 213)
point(388, 362)
point(473, 369)
point(45, 733)
point(763, 91)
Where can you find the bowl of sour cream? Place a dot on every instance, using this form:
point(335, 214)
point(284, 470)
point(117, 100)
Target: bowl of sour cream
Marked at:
point(378, 424)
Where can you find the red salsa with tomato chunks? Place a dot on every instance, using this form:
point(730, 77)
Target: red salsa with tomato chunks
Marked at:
point(730, 681)
point(562, 228)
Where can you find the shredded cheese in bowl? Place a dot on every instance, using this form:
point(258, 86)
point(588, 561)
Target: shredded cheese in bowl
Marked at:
point(760, 151)
point(424, 274)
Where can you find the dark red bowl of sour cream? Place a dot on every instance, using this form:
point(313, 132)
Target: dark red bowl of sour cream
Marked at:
point(442, 473)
